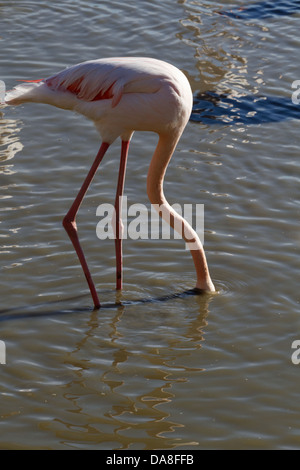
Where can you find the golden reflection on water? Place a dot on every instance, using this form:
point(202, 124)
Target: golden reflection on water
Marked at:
point(10, 144)
point(221, 60)
point(125, 414)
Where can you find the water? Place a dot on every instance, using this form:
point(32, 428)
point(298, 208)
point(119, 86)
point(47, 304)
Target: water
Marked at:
point(156, 368)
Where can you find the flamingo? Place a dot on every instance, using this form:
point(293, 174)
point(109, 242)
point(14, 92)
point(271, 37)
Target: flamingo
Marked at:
point(123, 95)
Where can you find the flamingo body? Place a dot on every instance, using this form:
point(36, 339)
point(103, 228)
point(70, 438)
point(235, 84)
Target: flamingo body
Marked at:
point(123, 95)
point(120, 95)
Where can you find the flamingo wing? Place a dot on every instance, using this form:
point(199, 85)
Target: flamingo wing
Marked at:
point(102, 79)
point(105, 79)
point(89, 81)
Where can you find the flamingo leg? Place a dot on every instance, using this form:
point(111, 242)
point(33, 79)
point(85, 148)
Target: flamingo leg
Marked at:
point(118, 213)
point(69, 221)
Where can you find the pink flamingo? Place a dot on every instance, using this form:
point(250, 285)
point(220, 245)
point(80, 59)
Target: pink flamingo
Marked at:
point(123, 95)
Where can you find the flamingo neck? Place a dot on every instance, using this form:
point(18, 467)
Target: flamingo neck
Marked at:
point(155, 179)
point(158, 166)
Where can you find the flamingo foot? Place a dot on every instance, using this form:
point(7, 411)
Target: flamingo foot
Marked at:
point(205, 286)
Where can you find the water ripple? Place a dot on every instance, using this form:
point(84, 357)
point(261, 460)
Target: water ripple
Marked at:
point(10, 144)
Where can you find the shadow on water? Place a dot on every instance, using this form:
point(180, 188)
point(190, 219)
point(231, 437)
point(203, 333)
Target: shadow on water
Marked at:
point(213, 108)
point(43, 309)
point(261, 10)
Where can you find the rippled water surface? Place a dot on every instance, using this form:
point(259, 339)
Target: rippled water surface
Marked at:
point(156, 367)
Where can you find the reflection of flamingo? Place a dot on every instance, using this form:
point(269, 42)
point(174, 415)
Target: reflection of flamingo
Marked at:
point(122, 95)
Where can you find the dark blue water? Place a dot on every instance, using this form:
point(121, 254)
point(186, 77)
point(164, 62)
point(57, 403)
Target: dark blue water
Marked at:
point(268, 9)
point(213, 108)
